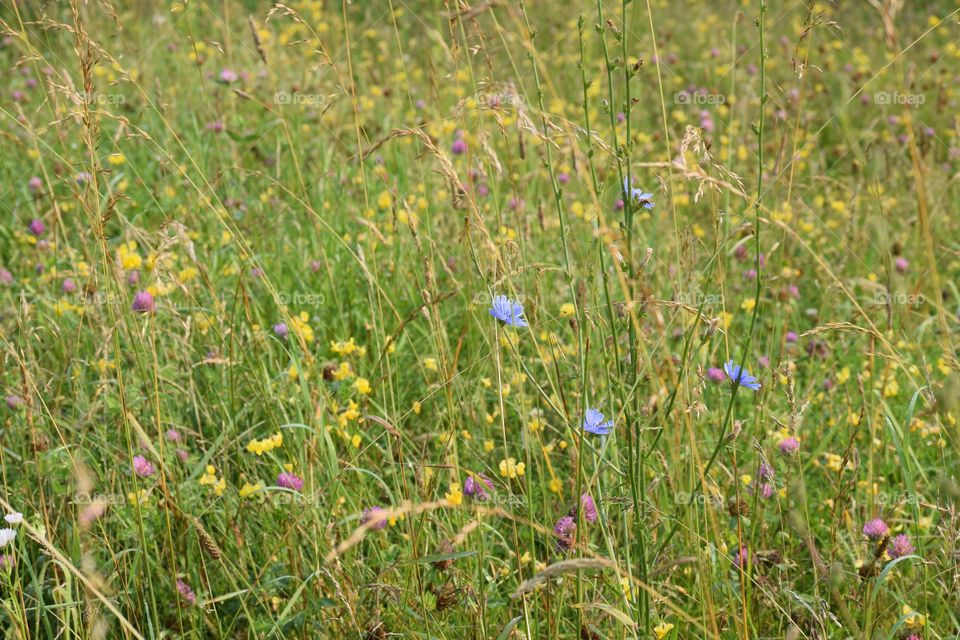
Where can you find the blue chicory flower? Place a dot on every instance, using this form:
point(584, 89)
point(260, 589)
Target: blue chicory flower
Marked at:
point(595, 422)
point(508, 311)
point(638, 196)
point(741, 376)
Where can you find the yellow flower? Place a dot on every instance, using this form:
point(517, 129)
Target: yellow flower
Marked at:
point(260, 447)
point(454, 496)
point(128, 257)
point(416, 407)
point(510, 468)
point(210, 476)
point(116, 159)
point(662, 629)
point(301, 328)
point(430, 364)
point(567, 310)
point(248, 489)
point(343, 371)
point(362, 385)
point(344, 348)
point(913, 619)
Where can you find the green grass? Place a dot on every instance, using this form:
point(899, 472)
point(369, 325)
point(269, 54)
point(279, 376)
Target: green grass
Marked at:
point(299, 165)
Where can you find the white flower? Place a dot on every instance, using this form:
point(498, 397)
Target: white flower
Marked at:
point(7, 536)
point(14, 518)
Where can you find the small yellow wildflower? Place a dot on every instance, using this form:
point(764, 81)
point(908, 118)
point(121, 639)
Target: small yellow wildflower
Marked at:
point(362, 385)
point(510, 468)
point(454, 496)
point(248, 489)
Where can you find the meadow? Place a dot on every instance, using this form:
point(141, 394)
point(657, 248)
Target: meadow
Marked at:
point(480, 319)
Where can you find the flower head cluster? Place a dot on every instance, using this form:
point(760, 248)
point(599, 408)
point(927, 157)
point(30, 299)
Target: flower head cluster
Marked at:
point(900, 546)
point(596, 423)
point(477, 487)
point(209, 478)
point(143, 467)
point(739, 375)
point(508, 311)
point(636, 195)
point(564, 530)
point(290, 480)
point(510, 468)
point(374, 517)
point(266, 445)
point(876, 529)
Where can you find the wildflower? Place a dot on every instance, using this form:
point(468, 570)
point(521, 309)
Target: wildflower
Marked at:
point(37, 227)
point(477, 487)
point(789, 446)
point(564, 529)
point(6, 277)
point(143, 467)
point(7, 561)
point(362, 385)
point(595, 422)
point(766, 471)
point(741, 558)
point(374, 518)
point(715, 374)
point(876, 529)
point(91, 513)
point(510, 468)
point(290, 480)
point(454, 496)
point(7, 536)
point(791, 337)
point(300, 326)
point(589, 508)
point(14, 402)
point(508, 311)
point(14, 518)
point(143, 302)
point(35, 183)
point(458, 147)
point(901, 265)
point(662, 629)
point(209, 476)
point(248, 489)
point(900, 546)
point(740, 376)
point(280, 330)
point(184, 590)
point(637, 196)
point(567, 309)
point(228, 76)
point(266, 445)
point(68, 285)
